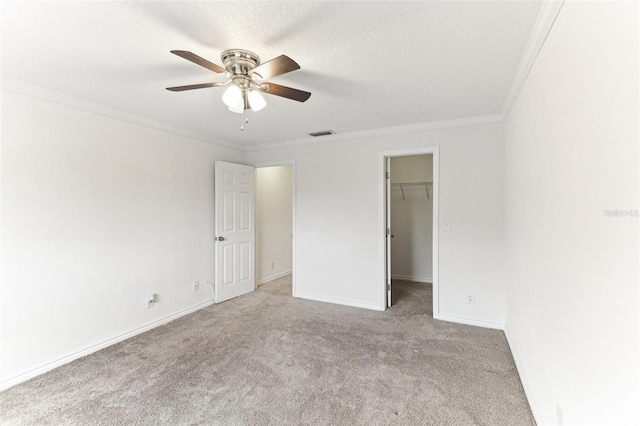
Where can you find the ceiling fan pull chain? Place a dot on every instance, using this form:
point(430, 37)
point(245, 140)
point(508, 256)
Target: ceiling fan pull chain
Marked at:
point(245, 119)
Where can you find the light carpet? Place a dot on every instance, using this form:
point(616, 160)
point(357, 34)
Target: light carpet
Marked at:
point(269, 359)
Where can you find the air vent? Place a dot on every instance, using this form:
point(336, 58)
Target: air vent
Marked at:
point(322, 133)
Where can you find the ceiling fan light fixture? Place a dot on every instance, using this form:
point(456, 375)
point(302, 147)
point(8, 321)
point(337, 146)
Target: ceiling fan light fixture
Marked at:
point(232, 97)
point(256, 100)
point(238, 109)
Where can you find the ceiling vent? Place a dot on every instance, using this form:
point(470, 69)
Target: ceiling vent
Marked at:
point(322, 133)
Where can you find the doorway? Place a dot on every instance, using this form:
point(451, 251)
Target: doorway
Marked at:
point(412, 218)
point(274, 222)
point(409, 213)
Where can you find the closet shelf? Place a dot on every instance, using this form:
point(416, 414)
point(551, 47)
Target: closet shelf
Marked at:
point(402, 185)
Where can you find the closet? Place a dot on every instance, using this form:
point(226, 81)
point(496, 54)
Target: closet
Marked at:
point(412, 218)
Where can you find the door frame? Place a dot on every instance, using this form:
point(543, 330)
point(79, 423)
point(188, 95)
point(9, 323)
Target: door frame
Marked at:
point(382, 206)
point(291, 163)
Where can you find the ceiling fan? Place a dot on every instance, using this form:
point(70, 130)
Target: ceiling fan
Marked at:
point(246, 74)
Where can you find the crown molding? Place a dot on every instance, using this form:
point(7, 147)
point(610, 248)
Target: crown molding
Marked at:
point(70, 101)
point(549, 11)
point(546, 17)
point(385, 131)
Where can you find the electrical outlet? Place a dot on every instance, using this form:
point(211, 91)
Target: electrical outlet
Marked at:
point(151, 301)
point(471, 299)
point(273, 265)
point(196, 285)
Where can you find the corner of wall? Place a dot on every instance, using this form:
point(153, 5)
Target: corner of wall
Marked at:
point(524, 376)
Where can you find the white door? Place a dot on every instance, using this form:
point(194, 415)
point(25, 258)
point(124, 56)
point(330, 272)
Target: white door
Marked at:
point(388, 230)
point(235, 230)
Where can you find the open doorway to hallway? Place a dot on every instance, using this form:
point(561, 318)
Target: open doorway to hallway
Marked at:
point(274, 223)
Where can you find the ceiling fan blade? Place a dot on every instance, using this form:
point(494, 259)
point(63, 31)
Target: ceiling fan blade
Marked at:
point(198, 60)
point(285, 92)
point(277, 66)
point(194, 86)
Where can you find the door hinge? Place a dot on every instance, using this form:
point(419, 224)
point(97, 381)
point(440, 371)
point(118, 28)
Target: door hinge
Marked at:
point(387, 175)
point(388, 287)
point(388, 231)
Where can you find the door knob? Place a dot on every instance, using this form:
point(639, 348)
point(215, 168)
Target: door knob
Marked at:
point(219, 238)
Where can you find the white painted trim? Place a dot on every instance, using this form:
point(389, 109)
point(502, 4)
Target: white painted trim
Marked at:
point(346, 302)
point(382, 225)
point(382, 155)
point(435, 249)
point(274, 163)
point(469, 321)
point(524, 378)
point(546, 17)
point(6, 384)
point(2, 351)
point(273, 278)
point(70, 101)
point(413, 279)
point(291, 163)
point(385, 131)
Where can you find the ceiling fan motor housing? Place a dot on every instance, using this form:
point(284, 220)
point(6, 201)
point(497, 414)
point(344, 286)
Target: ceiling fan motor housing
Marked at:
point(239, 62)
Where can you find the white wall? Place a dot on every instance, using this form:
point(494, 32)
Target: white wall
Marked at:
point(97, 214)
point(274, 221)
point(338, 249)
point(571, 154)
point(412, 218)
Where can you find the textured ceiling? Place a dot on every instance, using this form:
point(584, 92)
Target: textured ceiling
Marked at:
point(368, 64)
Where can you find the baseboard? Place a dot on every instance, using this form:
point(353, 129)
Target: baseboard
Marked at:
point(526, 384)
point(273, 277)
point(414, 279)
point(345, 302)
point(469, 321)
point(6, 384)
